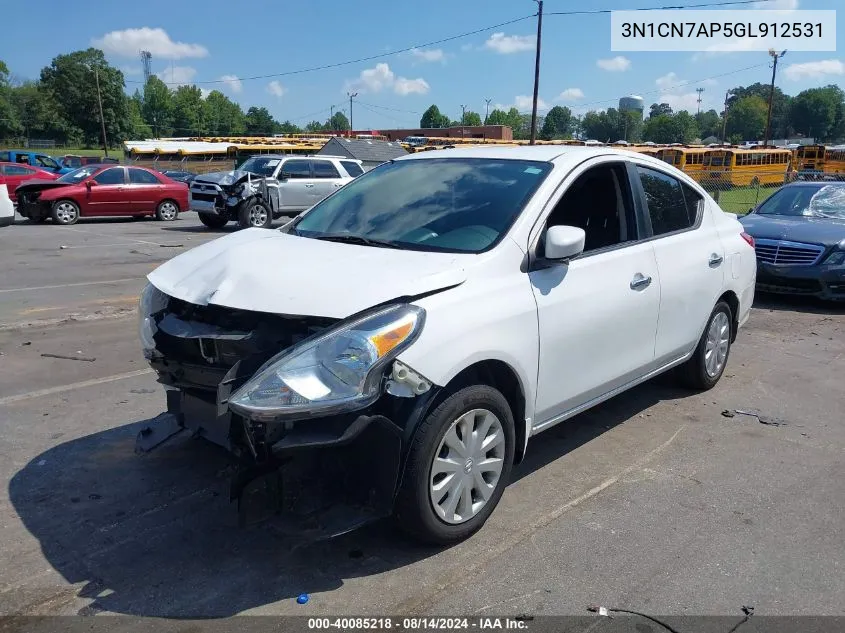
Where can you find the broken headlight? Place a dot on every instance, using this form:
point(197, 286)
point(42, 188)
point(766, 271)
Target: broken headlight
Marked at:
point(339, 370)
point(152, 300)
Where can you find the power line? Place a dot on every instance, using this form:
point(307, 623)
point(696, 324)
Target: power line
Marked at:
point(460, 36)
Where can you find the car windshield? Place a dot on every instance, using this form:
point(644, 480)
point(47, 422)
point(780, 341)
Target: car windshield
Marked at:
point(823, 202)
point(260, 165)
point(78, 175)
point(462, 205)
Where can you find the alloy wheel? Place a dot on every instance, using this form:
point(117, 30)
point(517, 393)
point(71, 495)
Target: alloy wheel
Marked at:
point(717, 344)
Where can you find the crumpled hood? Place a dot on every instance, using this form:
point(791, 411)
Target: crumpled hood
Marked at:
point(38, 184)
point(225, 177)
point(826, 231)
point(270, 271)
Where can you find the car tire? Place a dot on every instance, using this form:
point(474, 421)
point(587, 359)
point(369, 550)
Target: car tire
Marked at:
point(213, 221)
point(65, 212)
point(167, 211)
point(255, 213)
point(707, 364)
point(415, 502)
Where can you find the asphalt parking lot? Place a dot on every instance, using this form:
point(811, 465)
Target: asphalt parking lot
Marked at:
point(654, 501)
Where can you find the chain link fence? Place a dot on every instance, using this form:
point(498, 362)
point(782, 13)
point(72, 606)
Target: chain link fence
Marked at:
point(740, 192)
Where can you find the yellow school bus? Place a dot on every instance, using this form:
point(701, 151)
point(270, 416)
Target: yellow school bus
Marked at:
point(648, 150)
point(688, 159)
point(818, 161)
point(747, 167)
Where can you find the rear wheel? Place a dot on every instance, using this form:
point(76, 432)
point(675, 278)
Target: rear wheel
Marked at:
point(458, 466)
point(706, 366)
point(65, 212)
point(167, 211)
point(213, 221)
point(255, 214)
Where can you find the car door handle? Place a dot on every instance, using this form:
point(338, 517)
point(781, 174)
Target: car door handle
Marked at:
point(309, 186)
point(715, 260)
point(640, 282)
point(337, 185)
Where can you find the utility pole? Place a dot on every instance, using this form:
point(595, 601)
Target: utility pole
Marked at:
point(725, 116)
point(487, 111)
point(463, 119)
point(536, 71)
point(699, 91)
point(102, 120)
point(351, 96)
point(775, 57)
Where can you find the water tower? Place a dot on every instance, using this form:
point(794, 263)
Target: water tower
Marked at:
point(632, 103)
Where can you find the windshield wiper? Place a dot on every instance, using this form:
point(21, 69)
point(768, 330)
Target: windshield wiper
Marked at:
point(356, 239)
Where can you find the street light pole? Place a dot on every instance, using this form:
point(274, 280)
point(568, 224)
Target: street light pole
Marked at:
point(536, 71)
point(487, 111)
point(351, 95)
point(102, 120)
point(725, 116)
point(463, 119)
point(775, 57)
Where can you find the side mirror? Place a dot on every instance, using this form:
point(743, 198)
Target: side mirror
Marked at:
point(564, 242)
point(751, 210)
point(90, 183)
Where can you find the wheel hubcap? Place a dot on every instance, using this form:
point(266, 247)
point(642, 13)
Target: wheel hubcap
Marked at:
point(66, 212)
point(467, 466)
point(717, 343)
point(258, 215)
point(168, 211)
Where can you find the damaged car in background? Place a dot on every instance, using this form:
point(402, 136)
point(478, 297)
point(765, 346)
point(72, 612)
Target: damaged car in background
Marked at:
point(267, 187)
point(454, 305)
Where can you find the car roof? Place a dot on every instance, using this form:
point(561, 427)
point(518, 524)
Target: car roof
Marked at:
point(815, 184)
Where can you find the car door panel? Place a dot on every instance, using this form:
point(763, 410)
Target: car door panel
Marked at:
point(106, 196)
point(145, 191)
point(297, 185)
point(326, 177)
point(597, 326)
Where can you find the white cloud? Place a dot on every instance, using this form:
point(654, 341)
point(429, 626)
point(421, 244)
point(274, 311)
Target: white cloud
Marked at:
point(429, 55)
point(129, 42)
point(671, 80)
point(205, 92)
point(410, 86)
point(177, 75)
point(684, 101)
point(614, 64)
point(814, 70)
point(130, 70)
point(276, 89)
point(571, 94)
point(506, 44)
point(232, 82)
point(525, 103)
point(380, 77)
point(466, 47)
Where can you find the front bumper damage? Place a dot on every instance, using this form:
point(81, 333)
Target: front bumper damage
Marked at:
point(318, 477)
point(821, 281)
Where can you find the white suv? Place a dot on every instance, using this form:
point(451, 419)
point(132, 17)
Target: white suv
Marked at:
point(7, 208)
point(421, 326)
point(268, 186)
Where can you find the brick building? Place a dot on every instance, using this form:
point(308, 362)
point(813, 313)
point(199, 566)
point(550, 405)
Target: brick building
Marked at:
point(497, 132)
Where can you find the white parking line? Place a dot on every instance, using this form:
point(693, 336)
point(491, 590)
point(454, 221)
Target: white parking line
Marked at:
point(81, 283)
point(73, 386)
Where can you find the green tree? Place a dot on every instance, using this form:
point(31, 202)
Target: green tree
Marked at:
point(432, 118)
point(38, 114)
point(471, 118)
point(159, 109)
point(819, 112)
point(612, 125)
point(286, 127)
point(190, 113)
point(225, 116)
point(709, 123)
point(671, 128)
point(9, 124)
point(137, 127)
point(781, 124)
point(259, 122)
point(338, 121)
point(513, 119)
point(557, 124)
point(659, 108)
point(71, 79)
point(315, 126)
point(747, 118)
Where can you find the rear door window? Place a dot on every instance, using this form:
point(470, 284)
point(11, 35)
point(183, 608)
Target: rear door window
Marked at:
point(352, 168)
point(141, 177)
point(296, 169)
point(668, 206)
point(324, 169)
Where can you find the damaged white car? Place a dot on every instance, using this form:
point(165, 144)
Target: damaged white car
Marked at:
point(428, 319)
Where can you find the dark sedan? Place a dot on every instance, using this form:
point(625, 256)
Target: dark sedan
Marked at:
point(799, 235)
point(179, 176)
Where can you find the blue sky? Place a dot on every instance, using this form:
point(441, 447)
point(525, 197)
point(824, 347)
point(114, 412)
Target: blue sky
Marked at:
point(212, 41)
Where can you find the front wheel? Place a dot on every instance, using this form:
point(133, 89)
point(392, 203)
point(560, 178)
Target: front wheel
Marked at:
point(65, 212)
point(706, 366)
point(458, 466)
point(167, 211)
point(213, 221)
point(255, 214)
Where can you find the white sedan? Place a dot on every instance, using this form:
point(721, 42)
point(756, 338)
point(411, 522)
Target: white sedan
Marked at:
point(430, 318)
point(7, 208)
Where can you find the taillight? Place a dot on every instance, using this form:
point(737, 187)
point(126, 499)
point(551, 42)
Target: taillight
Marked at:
point(747, 238)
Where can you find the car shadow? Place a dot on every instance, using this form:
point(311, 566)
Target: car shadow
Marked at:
point(155, 535)
point(797, 303)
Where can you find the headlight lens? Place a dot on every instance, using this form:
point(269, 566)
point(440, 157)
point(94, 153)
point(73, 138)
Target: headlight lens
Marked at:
point(340, 370)
point(151, 301)
point(836, 258)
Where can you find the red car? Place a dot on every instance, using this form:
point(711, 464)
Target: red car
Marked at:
point(103, 190)
point(16, 174)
